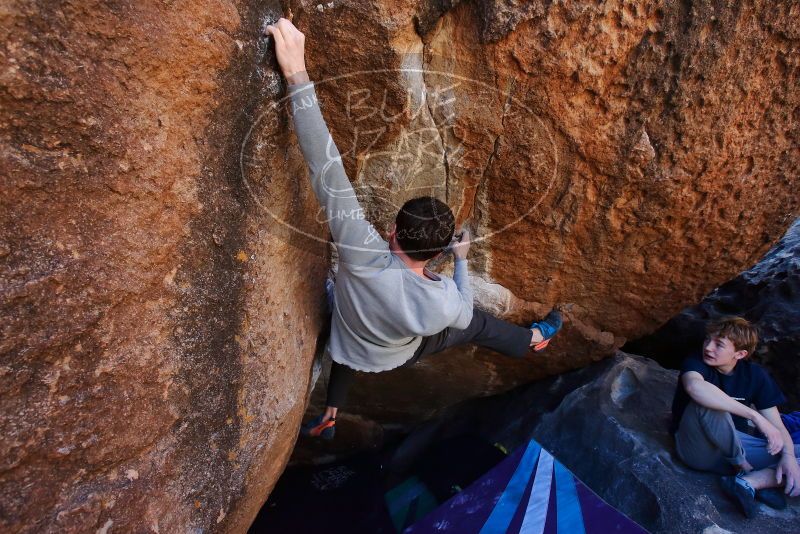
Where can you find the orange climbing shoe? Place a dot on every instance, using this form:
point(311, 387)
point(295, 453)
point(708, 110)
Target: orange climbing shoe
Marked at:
point(541, 345)
point(317, 429)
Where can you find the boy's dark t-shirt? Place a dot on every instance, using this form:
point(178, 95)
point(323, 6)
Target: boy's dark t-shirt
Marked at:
point(749, 383)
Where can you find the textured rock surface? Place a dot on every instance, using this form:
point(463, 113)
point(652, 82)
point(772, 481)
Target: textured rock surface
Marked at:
point(608, 424)
point(159, 314)
point(644, 152)
point(156, 338)
point(768, 295)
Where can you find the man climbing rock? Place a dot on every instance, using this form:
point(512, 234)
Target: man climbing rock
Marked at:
point(712, 414)
point(388, 309)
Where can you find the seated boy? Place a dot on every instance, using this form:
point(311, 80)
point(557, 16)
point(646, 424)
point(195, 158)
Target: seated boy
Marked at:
point(712, 419)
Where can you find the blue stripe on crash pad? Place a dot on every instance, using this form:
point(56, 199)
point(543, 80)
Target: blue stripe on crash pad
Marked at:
point(568, 508)
point(509, 501)
point(539, 501)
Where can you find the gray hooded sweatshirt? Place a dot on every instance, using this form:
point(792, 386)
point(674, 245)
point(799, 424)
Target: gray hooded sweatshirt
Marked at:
point(382, 308)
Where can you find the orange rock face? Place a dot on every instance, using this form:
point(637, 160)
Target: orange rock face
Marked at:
point(162, 258)
point(157, 333)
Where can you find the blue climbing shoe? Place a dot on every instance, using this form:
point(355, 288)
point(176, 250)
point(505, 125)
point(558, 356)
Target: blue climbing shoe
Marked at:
point(772, 497)
point(742, 494)
point(549, 327)
point(317, 429)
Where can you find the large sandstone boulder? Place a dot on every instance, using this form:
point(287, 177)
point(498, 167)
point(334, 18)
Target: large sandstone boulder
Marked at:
point(156, 335)
point(162, 256)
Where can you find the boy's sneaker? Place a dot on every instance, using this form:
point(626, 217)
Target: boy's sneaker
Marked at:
point(317, 429)
point(742, 493)
point(549, 327)
point(772, 497)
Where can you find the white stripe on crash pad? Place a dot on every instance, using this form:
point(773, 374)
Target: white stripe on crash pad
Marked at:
point(536, 513)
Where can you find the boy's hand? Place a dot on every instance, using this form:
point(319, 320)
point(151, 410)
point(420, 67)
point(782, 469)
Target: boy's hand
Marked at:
point(290, 49)
point(788, 466)
point(773, 435)
point(461, 247)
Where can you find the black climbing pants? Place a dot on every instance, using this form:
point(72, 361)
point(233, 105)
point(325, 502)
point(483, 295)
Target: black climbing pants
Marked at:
point(484, 330)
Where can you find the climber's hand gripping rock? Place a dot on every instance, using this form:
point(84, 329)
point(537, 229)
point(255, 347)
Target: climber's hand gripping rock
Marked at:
point(290, 49)
point(460, 244)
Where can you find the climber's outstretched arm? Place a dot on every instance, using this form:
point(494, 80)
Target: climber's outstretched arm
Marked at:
point(356, 239)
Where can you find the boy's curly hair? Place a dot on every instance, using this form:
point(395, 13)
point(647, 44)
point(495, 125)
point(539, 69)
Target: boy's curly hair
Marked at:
point(741, 333)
